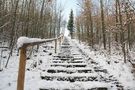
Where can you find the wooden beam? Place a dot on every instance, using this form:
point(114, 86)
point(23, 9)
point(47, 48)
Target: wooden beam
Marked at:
point(21, 72)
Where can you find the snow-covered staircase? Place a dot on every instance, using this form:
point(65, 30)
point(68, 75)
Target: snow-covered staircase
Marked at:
point(71, 70)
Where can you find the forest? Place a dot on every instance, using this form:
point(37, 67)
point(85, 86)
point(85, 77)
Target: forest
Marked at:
point(110, 24)
point(41, 48)
point(30, 18)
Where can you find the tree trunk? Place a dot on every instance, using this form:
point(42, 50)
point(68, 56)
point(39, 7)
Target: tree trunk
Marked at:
point(103, 24)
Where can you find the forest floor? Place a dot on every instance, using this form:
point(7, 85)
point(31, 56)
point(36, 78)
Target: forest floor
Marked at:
point(74, 66)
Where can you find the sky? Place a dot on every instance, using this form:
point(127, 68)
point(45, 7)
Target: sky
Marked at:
point(68, 5)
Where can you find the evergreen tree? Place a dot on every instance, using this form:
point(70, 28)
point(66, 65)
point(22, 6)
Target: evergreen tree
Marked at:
point(71, 24)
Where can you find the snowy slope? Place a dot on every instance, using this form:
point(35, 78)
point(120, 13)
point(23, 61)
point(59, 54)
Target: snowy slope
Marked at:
point(114, 64)
point(40, 61)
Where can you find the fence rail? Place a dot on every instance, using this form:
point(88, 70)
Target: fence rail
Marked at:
point(22, 62)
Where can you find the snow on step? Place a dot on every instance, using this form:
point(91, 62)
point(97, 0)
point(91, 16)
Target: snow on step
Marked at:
point(74, 70)
point(62, 85)
point(63, 68)
point(67, 59)
point(70, 75)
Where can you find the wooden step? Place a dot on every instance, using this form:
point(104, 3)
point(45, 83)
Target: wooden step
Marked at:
point(69, 77)
point(68, 65)
point(64, 56)
point(100, 88)
point(63, 46)
point(56, 61)
point(69, 71)
point(101, 70)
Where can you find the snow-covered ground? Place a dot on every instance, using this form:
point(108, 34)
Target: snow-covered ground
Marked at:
point(8, 77)
point(40, 61)
point(114, 63)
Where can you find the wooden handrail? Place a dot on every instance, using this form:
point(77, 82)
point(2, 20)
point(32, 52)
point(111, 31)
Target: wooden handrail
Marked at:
point(22, 63)
point(40, 42)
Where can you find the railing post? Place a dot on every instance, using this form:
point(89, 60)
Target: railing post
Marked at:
point(21, 72)
point(62, 37)
point(60, 41)
point(55, 45)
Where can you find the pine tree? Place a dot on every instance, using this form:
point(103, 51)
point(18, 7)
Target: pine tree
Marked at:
point(71, 24)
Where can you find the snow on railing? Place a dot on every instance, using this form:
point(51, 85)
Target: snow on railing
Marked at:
point(22, 44)
point(25, 41)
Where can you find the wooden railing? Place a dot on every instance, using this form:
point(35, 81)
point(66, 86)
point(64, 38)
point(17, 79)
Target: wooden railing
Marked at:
point(22, 63)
